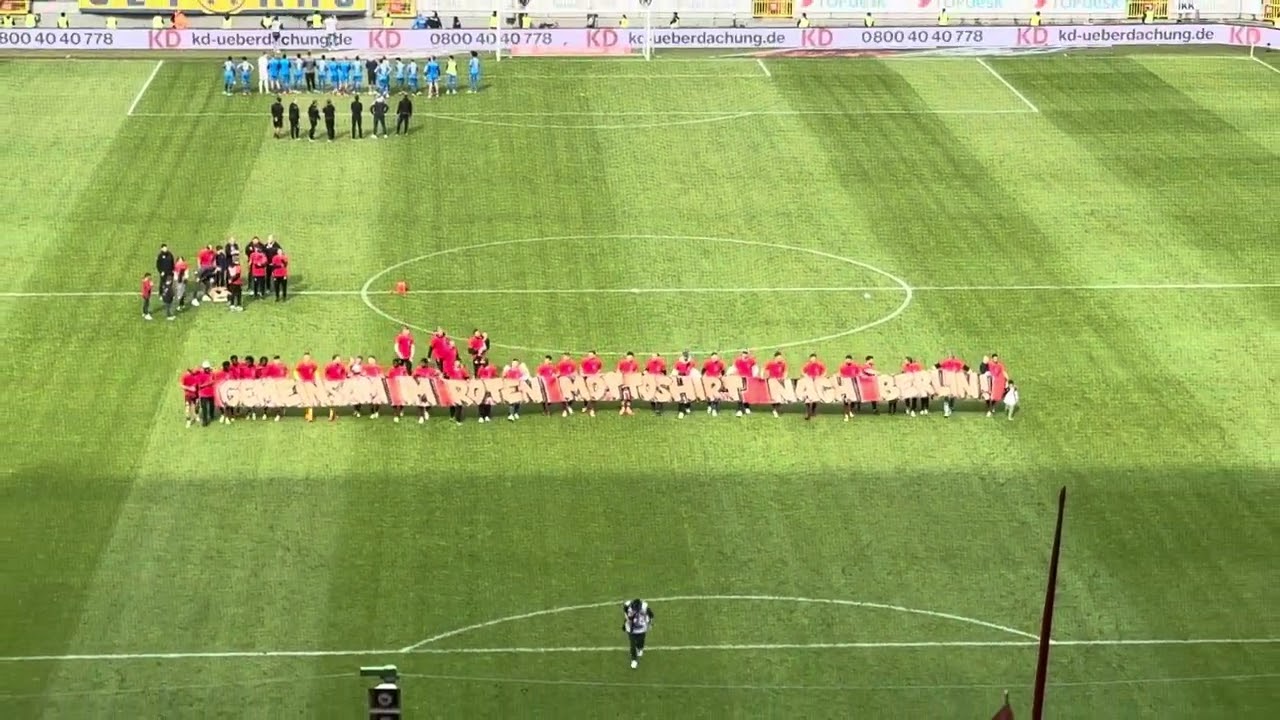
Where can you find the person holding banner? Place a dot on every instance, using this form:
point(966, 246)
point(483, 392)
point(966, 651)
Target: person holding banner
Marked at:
point(655, 365)
point(950, 364)
point(627, 366)
point(713, 367)
point(685, 367)
point(745, 366)
point(486, 371)
point(566, 368)
point(457, 371)
point(591, 365)
point(518, 371)
point(849, 370)
point(424, 371)
point(813, 369)
point(776, 369)
point(547, 374)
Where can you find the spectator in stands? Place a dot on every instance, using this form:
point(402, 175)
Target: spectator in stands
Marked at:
point(31, 20)
point(457, 24)
point(180, 21)
point(419, 22)
point(434, 22)
point(803, 22)
point(675, 21)
point(63, 21)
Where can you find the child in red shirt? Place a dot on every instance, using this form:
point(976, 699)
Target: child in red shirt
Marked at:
point(627, 366)
point(486, 371)
point(656, 365)
point(776, 369)
point(813, 369)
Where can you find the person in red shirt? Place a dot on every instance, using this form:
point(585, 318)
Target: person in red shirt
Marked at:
point(399, 369)
point(456, 371)
point(205, 392)
point(181, 273)
point(713, 367)
point(515, 370)
point(996, 369)
point(216, 378)
point(188, 383)
point(744, 365)
point(591, 365)
point(305, 371)
point(477, 348)
point(448, 353)
point(627, 365)
point(146, 289)
point(335, 371)
point(914, 405)
point(235, 289)
point(813, 369)
point(371, 369)
point(280, 275)
point(404, 344)
point(425, 371)
point(205, 269)
point(776, 369)
point(486, 371)
point(685, 367)
point(274, 370)
point(547, 374)
point(436, 348)
point(564, 368)
point(950, 364)
point(655, 365)
point(849, 369)
point(258, 271)
point(869, 370)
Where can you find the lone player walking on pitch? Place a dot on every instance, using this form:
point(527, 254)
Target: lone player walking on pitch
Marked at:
point(639, 616)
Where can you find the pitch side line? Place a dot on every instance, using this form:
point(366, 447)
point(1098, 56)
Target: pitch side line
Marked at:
point(150, 78)
point(664, 291)
point(1030, 105)
point(245, 654)
point(712, 114)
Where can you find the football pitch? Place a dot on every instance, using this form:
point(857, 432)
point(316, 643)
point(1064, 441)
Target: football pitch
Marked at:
point(1106, 222)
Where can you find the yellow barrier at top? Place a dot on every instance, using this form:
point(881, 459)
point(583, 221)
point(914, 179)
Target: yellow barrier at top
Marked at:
point(1271, 11)
point(14, 7)
point(395, 8)
point(773, 8)
point(1158, 10)
point(225, 7)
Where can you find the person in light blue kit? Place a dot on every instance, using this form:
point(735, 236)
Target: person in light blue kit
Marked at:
point(295, 73)
point(399, 74)
point(411, 75)
point(228, 76)
point(344, 73)
point(246, 75)
point(384, 77)
point(433, 77)
point(322, 73)
point(451, 76)
point(335, 75)
point(273, 74)
point(357, 75)
point(473, 69)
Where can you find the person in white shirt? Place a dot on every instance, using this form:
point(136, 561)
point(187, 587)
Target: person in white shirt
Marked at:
point(331, 24)
point(1011, 399)
point(518, 371)
point(263, 78)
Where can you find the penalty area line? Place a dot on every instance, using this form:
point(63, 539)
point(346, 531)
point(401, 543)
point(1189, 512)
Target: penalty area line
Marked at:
point(143, 91)
point(1030, 105)
point(940, 644)
point(1133, 287)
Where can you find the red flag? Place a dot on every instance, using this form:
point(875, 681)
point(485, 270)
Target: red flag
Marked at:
point(1005, 712)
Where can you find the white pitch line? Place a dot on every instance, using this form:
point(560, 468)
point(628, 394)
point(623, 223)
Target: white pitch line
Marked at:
point(233, 654)
point(1264, 63)
point(765, 68)
point(711, 290)
point(648, 113)
point(1007, 84)
point(150, 78)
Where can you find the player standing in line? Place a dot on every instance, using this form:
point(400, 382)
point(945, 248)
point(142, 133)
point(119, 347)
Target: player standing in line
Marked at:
point(451, 76)
point(335, 75)
point(188, 383)
point(384, 77)
point(591, 365)
point(228, 77)
point(950, 364)
point(357, 75)
point(265, 71)
point(627, 366)
point(473, 70)
point(305, 371)
point(399, 369)
point(345, 68)
point(399, 74)
point(295, 73)
point(713, 367)
point(813, 369)
point(564, 368)
point(547, 374)
point(334, 371)
point(411, 74)
point(371, 369)
point(272, 75)
point(745, 366)
point(518, 371)
point(776, 369)
point(425, 371)
point(322, 73)
point(849, 370)
point(638, 618)
point(655, 365)
point(433, 78)
point(685, 367)
point(246, 75)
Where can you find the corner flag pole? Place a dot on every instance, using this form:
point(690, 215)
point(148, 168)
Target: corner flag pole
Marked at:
point(1046, 621)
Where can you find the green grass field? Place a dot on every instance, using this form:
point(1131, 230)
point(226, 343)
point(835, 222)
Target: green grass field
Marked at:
point(1106, 223)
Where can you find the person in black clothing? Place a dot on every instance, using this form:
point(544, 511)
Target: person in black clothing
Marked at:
point(370, 69)
point(313, 117)
point(164, 264)
point(271, 249)
point(277, 117)
point(357, 118)
point(329, 118)
point(434, 22)
point(233, 251)
point(457, 24)
point(403, 112)
point(222, 262)
point(380, 116)
point(309, 70)
point(295, 119)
